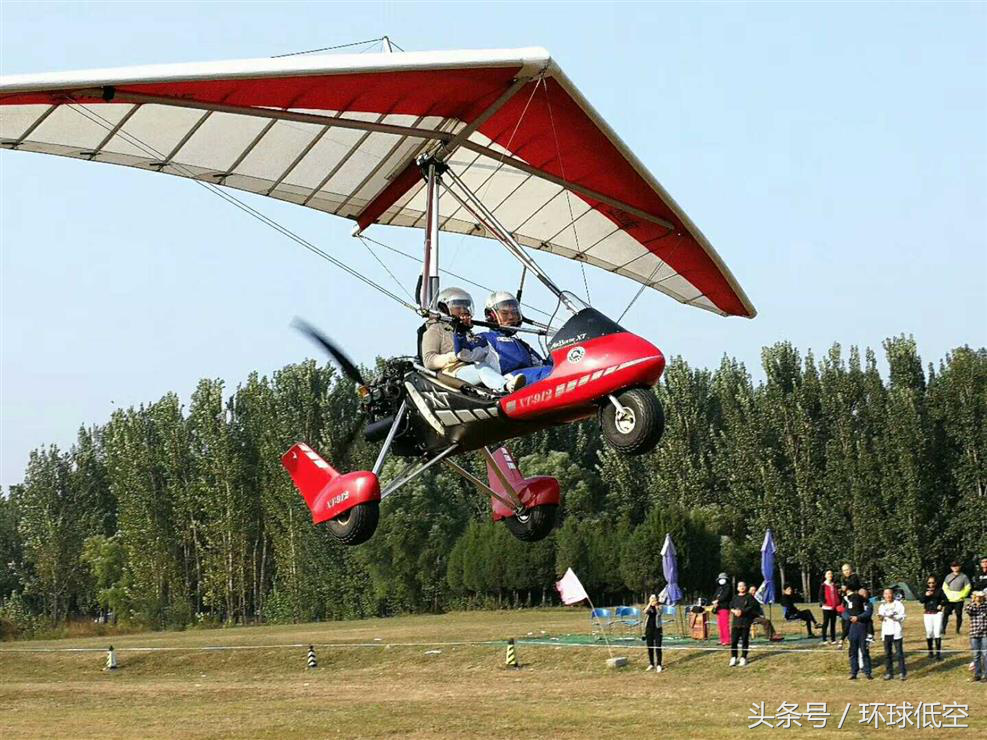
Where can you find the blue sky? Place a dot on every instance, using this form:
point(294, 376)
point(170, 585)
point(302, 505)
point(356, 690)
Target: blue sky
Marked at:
point(835, 155)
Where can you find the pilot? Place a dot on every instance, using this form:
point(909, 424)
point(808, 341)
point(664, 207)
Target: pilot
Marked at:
point(513, 353)
point(452, 348)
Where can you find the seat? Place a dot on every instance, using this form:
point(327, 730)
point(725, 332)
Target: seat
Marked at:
point(600, 620)
point(629, 617)
point(420, 333)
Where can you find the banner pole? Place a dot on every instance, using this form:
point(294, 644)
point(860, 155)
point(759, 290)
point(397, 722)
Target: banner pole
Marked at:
point(593, 608)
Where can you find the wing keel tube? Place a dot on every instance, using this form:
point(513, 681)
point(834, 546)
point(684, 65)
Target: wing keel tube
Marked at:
point(327, 493)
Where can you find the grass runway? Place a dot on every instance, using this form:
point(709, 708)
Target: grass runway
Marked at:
point(376, 680)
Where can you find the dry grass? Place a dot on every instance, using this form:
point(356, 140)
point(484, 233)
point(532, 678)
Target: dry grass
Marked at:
point(464, 690)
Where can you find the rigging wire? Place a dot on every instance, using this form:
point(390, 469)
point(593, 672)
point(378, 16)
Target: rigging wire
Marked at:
point(485, 186)
point(447, 272)
point(373, 254)
point(236, 202)
point(662, 261)
point(640, 291)
point(568, 195)
point(332, 48)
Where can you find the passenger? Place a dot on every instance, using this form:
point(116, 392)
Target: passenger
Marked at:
point(453, 349)
point(513, 353)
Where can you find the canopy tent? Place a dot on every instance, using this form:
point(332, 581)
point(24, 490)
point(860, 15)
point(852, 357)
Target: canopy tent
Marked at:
point(906, 591)
point(341, 134)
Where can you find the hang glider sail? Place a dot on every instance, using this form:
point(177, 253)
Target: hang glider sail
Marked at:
point(342, 134)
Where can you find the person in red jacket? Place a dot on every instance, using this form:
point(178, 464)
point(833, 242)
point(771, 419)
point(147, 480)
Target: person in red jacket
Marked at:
point(829, 600)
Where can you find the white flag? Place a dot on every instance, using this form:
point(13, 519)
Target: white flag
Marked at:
point(570, 589)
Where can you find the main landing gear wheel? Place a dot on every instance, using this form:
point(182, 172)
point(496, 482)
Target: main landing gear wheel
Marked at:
point(357, 525)
point(637, 428)
point(534, 524)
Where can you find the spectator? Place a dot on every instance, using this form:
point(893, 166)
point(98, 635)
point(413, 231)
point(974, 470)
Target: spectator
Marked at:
point(653, 634)
point(892, 614)
point(858, 615)
point(865, 592)
point(721, 605)
point(977, 610)
point(829, 600)
point(850, 581)
point(793, 613)
point(933, 602)
point(849, 584)
point(979, 582)
point(744, 608)
point(956, 587)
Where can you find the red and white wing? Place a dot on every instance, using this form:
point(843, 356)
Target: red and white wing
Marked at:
point(340, 134)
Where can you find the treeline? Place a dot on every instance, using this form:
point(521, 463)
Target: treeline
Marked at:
point(171, 515)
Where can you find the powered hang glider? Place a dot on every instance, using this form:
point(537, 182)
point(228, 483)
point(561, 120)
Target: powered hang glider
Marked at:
point(411, 139)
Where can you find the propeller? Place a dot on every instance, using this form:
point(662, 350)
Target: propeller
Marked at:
point(348, 368)
point(345, 364)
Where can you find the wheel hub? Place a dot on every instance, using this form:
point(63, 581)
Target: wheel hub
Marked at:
point(625, 420)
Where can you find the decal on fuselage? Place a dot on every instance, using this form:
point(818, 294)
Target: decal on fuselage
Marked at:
point(566, 342)
point(537, 399)
point(335, 500)
point(576, 354)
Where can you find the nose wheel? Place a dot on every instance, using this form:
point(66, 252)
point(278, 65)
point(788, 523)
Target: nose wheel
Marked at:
point(633, 421)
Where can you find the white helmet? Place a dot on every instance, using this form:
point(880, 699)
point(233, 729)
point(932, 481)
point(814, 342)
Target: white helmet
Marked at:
point(451, 298)
point(502, 308)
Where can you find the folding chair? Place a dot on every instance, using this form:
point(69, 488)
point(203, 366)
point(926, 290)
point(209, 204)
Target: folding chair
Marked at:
point(600, 620)
point(629, 617)
point(672, 614)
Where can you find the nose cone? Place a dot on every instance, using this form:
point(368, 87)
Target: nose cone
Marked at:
point(652, 359)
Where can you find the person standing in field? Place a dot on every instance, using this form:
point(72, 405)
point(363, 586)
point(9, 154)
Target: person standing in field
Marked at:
point(979, 581)
point(653, 634)
point(892, 615)
point(956, 587)
point(977, 611)
point(933, 602)
point(721, 605)
point(849, 584)
point(829, 601)
point(744, 608)
point(858, 616)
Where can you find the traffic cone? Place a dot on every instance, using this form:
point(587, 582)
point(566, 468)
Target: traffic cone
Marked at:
point(111, 659)
point(312, 662)
point(511, 661)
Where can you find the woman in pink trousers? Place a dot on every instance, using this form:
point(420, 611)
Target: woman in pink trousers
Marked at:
point(721, 605)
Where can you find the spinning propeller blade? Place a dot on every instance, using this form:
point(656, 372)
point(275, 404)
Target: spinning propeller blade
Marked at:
point(348, 368)
point(345, 364)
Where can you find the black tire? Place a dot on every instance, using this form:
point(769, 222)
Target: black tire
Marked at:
point(535, 524)
point(640, 432)
point(357, 525)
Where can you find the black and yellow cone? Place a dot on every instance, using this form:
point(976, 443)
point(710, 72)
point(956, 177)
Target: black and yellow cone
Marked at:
point(111, 659)
point(311, 662)
point(511, 661)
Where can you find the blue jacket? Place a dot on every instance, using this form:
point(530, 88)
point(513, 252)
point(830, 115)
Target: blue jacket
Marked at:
point(461, 341)
point(864, 612)
point(513, 353)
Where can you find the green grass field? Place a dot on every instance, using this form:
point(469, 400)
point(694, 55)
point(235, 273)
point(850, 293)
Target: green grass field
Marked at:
point(375, 678)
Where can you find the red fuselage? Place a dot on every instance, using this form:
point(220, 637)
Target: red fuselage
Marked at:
point(586, 371)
